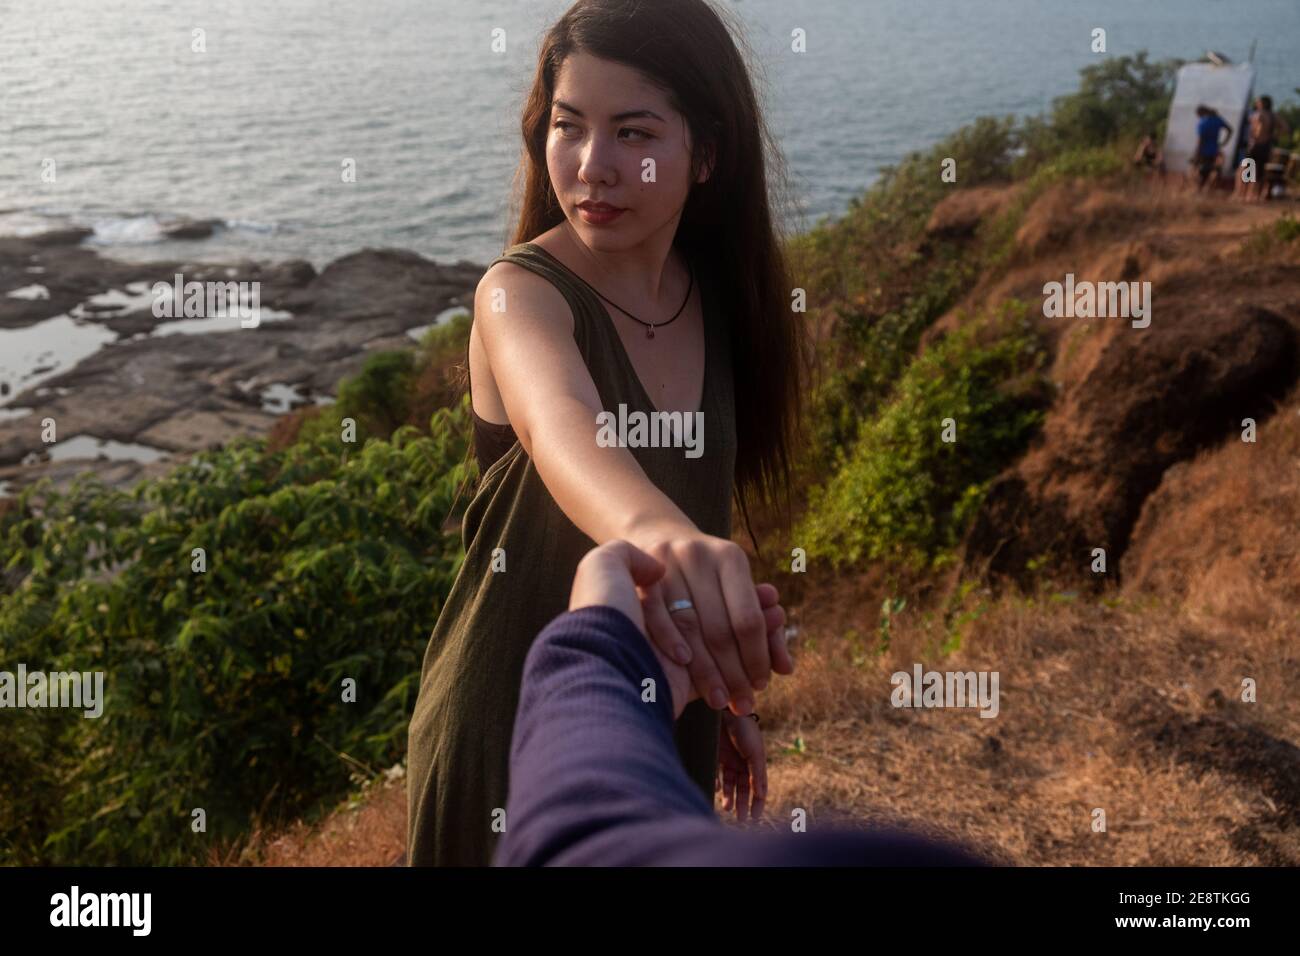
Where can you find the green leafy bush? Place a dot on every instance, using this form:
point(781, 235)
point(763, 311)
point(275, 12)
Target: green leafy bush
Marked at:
point(878, 349)
point(223, 687)
point(1273, 237)
point(1119, 98)
point(903, 493)
point(379, 397)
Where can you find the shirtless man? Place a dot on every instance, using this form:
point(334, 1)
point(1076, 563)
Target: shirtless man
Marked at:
point(1266, 128)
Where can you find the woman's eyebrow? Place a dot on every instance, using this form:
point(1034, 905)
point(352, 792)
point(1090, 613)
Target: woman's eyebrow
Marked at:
point(629, 114)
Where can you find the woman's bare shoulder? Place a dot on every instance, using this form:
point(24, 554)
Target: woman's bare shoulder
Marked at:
point(508, 288)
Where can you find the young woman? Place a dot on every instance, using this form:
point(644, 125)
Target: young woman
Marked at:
point(646, 276)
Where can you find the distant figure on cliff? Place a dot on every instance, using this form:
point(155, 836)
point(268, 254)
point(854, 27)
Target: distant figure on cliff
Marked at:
point(1149, 155)
point(1208, 158)
point(1265, 130)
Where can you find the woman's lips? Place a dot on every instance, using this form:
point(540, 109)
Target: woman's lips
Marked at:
point(598, 216)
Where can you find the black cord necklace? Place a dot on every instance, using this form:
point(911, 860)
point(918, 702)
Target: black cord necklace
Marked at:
point(650, 326)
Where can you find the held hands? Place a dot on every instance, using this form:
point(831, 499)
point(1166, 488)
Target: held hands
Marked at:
point(721, 633)
point(619, 575)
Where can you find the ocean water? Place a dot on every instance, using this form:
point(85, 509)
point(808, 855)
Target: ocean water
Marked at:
point(252, 132)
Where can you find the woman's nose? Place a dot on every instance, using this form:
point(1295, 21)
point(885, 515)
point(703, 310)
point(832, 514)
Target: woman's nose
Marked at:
point(596, 165)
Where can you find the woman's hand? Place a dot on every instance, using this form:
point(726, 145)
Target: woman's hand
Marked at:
point(742, 767)
point(663, 633)
point(620, 575)
point(723, 637)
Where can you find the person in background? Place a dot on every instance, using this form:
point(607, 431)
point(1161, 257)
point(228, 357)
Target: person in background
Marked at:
point(1207, 158)
point(1266, 128)
point(1149, 155)
point(595, 778)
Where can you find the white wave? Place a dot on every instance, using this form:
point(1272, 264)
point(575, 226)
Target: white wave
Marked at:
point(249, 225)
point(130, 230)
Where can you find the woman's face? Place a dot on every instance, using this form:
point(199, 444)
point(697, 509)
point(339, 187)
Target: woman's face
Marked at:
point(613, 138)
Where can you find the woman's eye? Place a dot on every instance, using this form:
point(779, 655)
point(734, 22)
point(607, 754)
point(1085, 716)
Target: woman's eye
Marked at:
point(564, 126)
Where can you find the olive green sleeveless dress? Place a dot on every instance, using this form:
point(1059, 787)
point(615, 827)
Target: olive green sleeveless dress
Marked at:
point(459, 743)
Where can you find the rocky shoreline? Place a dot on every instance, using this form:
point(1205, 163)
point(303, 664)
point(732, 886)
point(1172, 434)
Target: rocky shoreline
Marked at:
point(165, 396)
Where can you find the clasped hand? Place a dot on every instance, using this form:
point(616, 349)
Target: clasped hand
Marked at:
point(724, 637)
point(722, 648)
point(620, 575)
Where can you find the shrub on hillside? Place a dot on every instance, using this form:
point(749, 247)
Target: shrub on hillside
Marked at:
point(443, 374)
point(402, 387)
point(885, 285)
point(379, 396)
point(903, 493)
point(877, 348)
point(321, 562)
point(1120, 98)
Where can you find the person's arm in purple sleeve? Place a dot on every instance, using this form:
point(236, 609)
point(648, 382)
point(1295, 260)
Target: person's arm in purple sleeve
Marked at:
point(595, 778)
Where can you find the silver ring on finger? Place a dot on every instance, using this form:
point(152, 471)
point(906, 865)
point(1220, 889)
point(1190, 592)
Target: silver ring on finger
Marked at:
point(681, 604)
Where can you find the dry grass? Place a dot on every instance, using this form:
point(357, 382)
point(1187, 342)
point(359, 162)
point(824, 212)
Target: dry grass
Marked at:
point(1132, 709)
point(1219, 532)
point(1124, 709)
point(369, 832)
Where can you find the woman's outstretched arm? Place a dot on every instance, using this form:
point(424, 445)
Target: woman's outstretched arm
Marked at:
point(524, 327)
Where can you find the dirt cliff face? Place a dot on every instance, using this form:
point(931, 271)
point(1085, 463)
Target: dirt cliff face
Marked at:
point(1133, 402)
point(1219, 533)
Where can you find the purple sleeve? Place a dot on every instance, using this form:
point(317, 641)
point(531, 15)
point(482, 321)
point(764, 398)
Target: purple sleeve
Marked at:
point(595, 778)
point(594, 772)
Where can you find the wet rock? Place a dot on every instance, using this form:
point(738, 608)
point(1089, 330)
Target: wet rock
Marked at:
point(185, 392)
point(61, 237)
point(192, 229)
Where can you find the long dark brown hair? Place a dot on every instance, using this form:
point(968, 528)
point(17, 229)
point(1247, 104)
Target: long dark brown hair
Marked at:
point(727, 228)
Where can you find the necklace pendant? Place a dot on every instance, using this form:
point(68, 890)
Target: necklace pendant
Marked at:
point(650, 332)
